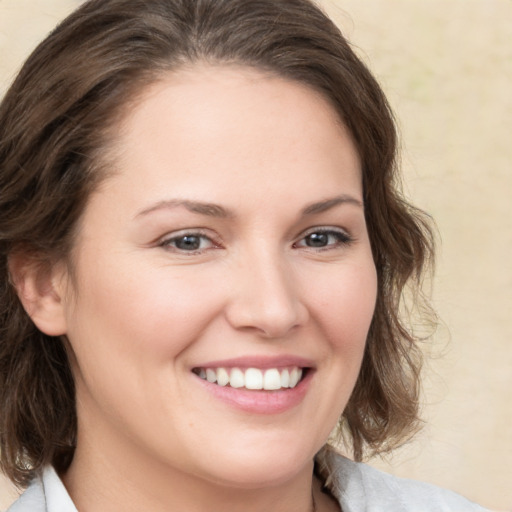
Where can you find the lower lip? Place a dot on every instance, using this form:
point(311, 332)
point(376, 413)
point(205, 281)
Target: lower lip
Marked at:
point(260, 401)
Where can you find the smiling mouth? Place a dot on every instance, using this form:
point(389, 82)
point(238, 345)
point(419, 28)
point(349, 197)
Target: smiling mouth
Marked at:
point(269, 379)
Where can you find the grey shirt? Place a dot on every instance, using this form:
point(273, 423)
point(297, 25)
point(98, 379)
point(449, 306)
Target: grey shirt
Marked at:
point(357, 487)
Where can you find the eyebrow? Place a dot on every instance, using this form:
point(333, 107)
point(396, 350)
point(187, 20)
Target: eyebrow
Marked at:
point(208, 209)
point(215, 210)
point(327, 204)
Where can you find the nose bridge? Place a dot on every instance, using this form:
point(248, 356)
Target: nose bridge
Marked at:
point(265, 295)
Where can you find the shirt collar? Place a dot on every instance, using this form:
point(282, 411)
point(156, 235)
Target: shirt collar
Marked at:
point(56, 496)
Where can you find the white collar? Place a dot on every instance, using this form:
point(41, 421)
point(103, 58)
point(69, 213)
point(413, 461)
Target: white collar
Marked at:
point(56, 496)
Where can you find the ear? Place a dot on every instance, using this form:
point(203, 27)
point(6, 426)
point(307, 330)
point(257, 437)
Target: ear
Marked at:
point(41, 289)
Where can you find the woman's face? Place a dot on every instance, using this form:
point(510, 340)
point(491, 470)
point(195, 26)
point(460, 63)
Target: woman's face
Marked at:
point(229, 244)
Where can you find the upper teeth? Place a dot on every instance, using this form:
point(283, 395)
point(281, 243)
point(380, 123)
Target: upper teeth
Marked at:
point(253, 378)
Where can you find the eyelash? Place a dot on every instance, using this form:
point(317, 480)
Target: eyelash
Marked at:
point(341, 238)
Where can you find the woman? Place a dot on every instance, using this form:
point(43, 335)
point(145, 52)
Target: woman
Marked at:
point(203, 253)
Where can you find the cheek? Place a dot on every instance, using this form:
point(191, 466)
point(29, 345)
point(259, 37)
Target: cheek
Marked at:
point(342, 306)
point(346, 303)
point(136, 315)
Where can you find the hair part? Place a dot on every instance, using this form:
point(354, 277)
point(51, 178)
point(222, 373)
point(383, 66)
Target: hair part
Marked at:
point(56, 124)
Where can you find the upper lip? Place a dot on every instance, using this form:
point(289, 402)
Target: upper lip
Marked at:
point(262, 362)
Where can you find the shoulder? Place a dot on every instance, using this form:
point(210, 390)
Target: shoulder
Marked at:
point(361, 487)
point(32, 500)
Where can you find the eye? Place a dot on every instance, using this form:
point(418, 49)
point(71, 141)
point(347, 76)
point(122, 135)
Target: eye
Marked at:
point(324, 239)
point(188, 242)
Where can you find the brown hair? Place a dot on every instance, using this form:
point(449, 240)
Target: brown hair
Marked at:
point(55, 122)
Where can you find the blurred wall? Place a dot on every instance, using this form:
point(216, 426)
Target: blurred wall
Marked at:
point(446, 66)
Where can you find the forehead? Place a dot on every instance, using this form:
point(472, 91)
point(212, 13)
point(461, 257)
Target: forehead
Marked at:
point(235, 127)
point(218, 96)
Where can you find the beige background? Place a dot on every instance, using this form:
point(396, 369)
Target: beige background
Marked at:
point(447, 68)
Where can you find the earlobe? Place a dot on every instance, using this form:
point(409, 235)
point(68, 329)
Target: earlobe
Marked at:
point(40, 288)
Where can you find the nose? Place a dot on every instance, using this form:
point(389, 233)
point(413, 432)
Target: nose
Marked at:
point(265, 298)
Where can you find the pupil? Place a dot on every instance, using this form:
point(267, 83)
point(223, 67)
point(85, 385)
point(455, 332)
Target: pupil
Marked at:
point(189, 243)
point(317, 239)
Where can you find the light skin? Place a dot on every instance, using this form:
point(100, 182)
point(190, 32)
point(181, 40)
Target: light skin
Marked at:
point(265, 181)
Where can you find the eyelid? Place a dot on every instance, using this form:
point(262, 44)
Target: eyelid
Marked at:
point(325, 229)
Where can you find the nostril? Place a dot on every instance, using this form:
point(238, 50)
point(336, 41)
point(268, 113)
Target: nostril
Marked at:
point(267, 322)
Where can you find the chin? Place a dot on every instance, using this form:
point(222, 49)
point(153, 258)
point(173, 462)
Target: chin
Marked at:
point(261, 467)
